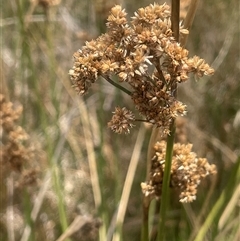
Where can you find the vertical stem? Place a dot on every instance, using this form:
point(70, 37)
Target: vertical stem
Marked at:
point(9, 211)
point(175, 29)
point(216, 210)
point(170, 138)
point(145, 231)
point(166, 181)
point(189, 19)
point(56, 172)
point(150, 152)
point(175, 18)
point(128, 182)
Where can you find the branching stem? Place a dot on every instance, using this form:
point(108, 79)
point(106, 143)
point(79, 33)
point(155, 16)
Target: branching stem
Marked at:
point(116, 85)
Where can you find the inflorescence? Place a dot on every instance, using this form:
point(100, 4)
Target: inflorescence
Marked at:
point(16, 155)
point(187, 171)
point(144, 55)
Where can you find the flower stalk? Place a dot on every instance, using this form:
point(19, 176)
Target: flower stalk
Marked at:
point(148, 62)
point(109, 80)
point(170, 138)
point(166, 182)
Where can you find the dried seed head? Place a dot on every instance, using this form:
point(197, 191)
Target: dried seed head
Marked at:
point(187, 171)
point(122, 120)
point(144, 55)
point(15, 153)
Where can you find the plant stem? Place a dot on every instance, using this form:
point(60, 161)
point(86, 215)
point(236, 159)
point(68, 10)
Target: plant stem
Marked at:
point(166, 181)
point(117, 85)
point(170, 138)
point(145, 231)
point(150, 152)
point(221, 202)
point(58, 191)
point(128, 183)
point(175, 18)
point(189, 19)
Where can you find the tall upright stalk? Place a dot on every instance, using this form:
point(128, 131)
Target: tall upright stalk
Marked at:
point(166, 181)
point(189, 19)
point(133, 49)
point(128, 183)
point(170, 139)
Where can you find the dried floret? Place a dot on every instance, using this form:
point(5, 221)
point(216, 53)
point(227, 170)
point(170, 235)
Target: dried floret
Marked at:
point(122, 120)
point(187, 171)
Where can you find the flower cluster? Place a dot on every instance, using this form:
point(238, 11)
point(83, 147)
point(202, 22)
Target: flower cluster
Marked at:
point(121, 120)
point(187, 171)
point(143, 54)
point(14, 153)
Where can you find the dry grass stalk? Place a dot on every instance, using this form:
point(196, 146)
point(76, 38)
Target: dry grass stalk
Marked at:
point(146, 57)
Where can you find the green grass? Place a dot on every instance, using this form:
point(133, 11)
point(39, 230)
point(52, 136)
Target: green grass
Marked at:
point(85, 170)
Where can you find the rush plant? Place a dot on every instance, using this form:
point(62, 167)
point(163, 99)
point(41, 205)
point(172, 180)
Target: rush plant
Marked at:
point(145, 59)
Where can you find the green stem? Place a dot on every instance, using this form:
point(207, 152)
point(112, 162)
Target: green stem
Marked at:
point(166, 182)
point(117, 85)
point(170, 138)
point(58, 190)
point(27, 213)
point(145, 231)
point(56, 174)
point(234, 180)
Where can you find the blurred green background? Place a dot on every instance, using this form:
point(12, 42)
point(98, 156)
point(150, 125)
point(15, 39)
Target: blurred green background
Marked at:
point(38, 39)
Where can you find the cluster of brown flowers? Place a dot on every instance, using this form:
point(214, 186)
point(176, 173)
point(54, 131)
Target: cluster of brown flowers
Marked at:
point(14, 152)
point(187, 171)
point(122, 120)
point(146, 56)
